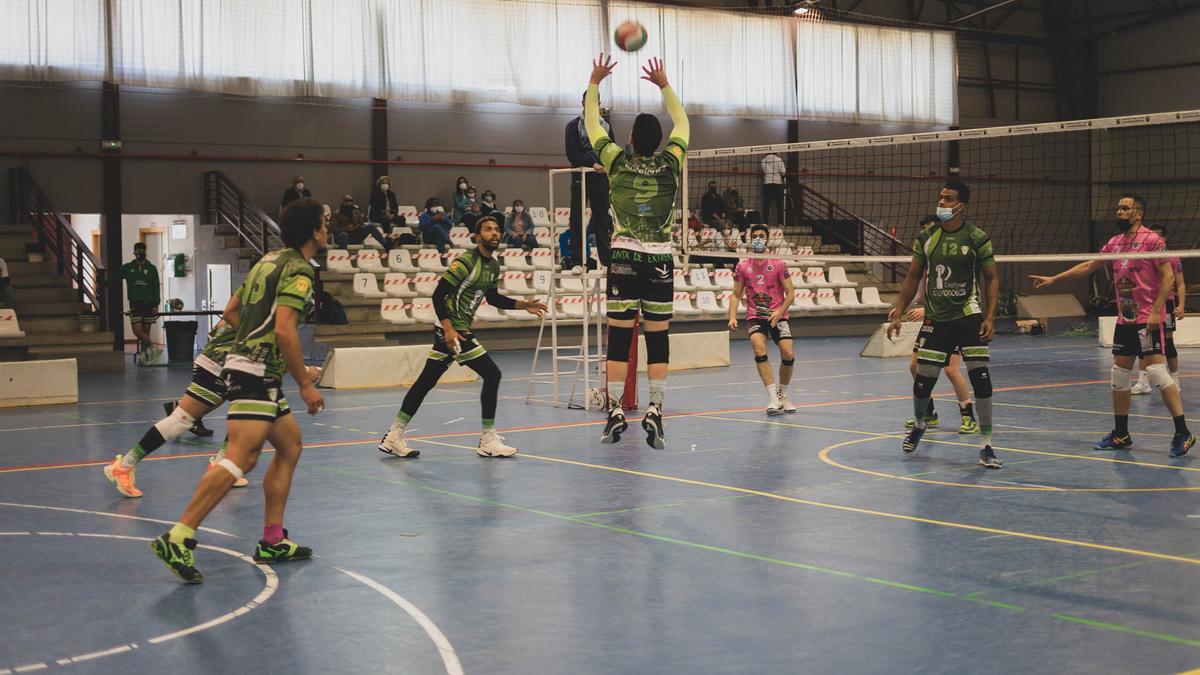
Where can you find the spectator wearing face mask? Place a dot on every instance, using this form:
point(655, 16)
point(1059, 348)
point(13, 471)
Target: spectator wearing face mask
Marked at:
point(383, 210)
point(712, 207)
point(473, 210)
point(735, 208)
point(347, 226)
point(518, 227)
point(435, 225)
point(297, 191)
point(461, 200)
point(487, 206)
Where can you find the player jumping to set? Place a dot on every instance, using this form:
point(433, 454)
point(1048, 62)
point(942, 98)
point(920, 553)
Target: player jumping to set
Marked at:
point(1143, 286)
point(957, 315)
point(641, 276)
point(769, 295)
point(471, 279)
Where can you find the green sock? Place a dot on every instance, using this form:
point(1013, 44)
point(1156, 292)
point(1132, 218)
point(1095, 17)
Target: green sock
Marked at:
point(489, 425)
point(402, 418)
point(135, 455)
point(179, 532)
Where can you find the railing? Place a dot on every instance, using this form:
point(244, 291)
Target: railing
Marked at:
point(30, 205)
point(225, 203)
point(856, 234)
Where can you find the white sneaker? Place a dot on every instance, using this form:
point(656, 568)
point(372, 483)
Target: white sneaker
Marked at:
point(491, 445)
point(394, 444)
point(1142, 387)
point(775, 405)
point(786, 404)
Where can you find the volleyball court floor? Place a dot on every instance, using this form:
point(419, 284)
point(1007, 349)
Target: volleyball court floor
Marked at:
point(803, 543)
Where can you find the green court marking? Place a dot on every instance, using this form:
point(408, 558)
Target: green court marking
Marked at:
point(1116, 628)
point(767, 559)
point(1084, 573)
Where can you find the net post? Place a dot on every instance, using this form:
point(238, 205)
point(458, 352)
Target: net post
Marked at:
point(630, 401)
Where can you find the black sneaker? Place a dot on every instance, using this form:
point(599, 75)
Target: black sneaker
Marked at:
point(1181, 443)
point(912, 440)
point(200, 430)
point(284, 551)
point(987, 458)
point(169, 406)
point(177, 558)
point(614, 427)
point(653, 425)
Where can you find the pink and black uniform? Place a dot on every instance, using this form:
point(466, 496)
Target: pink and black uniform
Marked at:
point(1137, 283)
point(1169, 324)
point(763, 281)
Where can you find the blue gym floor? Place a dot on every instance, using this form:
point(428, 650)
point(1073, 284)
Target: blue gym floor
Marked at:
point(805, 543)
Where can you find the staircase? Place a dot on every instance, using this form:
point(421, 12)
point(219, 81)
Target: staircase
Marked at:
point(49, 311)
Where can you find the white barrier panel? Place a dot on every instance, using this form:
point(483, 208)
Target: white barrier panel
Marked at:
point(880, 345)
point(1055, 305)
point(691, 350)
point(1187, 331)
point(38, 382)
point(367, 367)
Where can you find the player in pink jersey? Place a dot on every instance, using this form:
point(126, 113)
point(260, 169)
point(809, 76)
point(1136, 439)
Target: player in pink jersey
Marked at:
point(769, 293)
point(1143, 286)
point(1174, 307)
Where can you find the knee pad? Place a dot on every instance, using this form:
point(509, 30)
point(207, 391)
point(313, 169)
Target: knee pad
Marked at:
point(658, 347)
point(1159, 376)
point(1120, 378)
point(228, 465)
point(760, 359)
point(787, 362)
point(981, 380)
point(174, 425)
point(923, 386)
point(619, 338)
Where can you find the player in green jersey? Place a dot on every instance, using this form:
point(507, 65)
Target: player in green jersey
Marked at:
point(471, 279)
point(141, 276)
point(276, 295)
point(641, 276)
point(958, 314)
point(203, 395)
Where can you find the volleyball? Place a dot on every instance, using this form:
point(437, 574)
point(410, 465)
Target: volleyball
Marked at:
point(630, 36)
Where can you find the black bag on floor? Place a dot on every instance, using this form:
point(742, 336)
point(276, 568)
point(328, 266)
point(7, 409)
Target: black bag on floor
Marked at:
point(330, 311)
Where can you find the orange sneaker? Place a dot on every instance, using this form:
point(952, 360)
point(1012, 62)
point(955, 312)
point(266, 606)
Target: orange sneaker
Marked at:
point(240, 482)
point(122, 477)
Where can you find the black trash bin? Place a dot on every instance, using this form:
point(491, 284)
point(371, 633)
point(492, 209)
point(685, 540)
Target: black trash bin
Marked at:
point(181, 340)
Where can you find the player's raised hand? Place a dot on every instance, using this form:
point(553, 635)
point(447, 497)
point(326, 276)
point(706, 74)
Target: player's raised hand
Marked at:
point(655, 73)
point(1041, 282)
point(601, 67)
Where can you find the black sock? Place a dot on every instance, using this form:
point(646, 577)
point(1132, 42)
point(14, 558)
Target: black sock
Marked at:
point(967, 411)
point(929, 411)
point(1181, 426)
point(1122, 424)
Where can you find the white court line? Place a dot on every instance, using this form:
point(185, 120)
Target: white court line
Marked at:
point(269, 587)
point(449, 658)
point(456, 419)
point(110, 515)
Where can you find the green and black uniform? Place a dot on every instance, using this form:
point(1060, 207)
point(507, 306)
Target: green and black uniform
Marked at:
point(207, 385)
point(254, 365)
point(641, 276)
point(142, 282)
point(953, 263)
point(471, 279)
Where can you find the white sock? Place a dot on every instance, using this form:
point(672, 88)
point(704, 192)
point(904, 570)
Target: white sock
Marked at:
point(772, 391)
point(782, 390)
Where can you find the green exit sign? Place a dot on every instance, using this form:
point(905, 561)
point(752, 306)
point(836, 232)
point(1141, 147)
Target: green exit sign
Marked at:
point(110, 145)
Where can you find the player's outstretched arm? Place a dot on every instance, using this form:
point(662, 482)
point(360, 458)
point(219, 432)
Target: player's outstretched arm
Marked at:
point(1085, 267)
point(601, 67)
point(655, 73)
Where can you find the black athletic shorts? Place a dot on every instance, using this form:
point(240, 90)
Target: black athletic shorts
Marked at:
point(143, 312)
point(1169, 347)
point(926, 329)
point(939, 339)
point(1132, 339)
point(206, 386)
point(642, 282)
point(782, 330)
point(469, 348)
point(254, 398)
point(1169, 321)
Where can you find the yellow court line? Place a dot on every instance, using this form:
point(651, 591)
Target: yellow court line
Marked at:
point(1045, 453)
point(869, 512)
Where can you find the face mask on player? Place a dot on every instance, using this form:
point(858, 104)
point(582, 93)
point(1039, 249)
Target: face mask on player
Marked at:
point(758, 245)
point(945, 213)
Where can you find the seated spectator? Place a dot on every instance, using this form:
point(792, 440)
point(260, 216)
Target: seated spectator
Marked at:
point(518, 227)
point(347, 226)
point(435, 225)
point(731, 237)
point(297, 191)
point(711, 206)
point(472, 212)
point(693, 222)
point(383, 210)
point(6, 290)
point(735, 208)
point(461, 186)
point(487, 206)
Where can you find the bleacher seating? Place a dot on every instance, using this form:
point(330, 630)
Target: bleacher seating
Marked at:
point(409, 212)
point(870, 298)
point(815, 276)
point(339, 260)
point(397, 285)
point(514, 283)
point(9, 325)
point(429, 260)
point(681, 282)
point(514, 259)
point(723, 277)
point(826, 298)
point(364, 285)
point(370, 261)
point(848, 297)
point(542, 258)
point(399, 260)
point(539, 215)
point(683, 305)
point(489, 313)
point(701, 281)
point(425, 284)
point(542, 280)
point(460, 237)
point(543, 236)
point(393, 311)
point(706, 301)
point(837, 277)
point(805, 301)
point(422, 311)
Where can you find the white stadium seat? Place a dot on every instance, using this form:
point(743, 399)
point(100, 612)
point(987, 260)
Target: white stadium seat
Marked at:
point(460, 237)
point(815, 276)
point(338, 260)
point(426, 283)
point(489, 313)
point(837, 277)
point(804, 301)
point(827, 298)
point(543, 258)
point(539, 215)
point(683, 305)
point(370, 260)
point(543, 236)
point(422, 311)
point(409, 212)
point(542, 281)
point(700, 279)
point(364, 285)
point(396, 284)
point(429, 260)
point(870, 298)
point(393, 312)
point(707, 302)
point(399, 260)
point(571, 306)
point(514, 259)
point(847, 297)
point(9, 326)
point(514, 283)
point(723, 277)
point(681, 282)
point(723, 300)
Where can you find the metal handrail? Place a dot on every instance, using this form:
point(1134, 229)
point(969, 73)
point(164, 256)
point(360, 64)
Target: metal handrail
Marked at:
point(866, 237)
point(32, 206)
point(226, 203)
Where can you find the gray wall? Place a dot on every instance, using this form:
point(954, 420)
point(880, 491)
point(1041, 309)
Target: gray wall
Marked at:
point(1160, 90)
